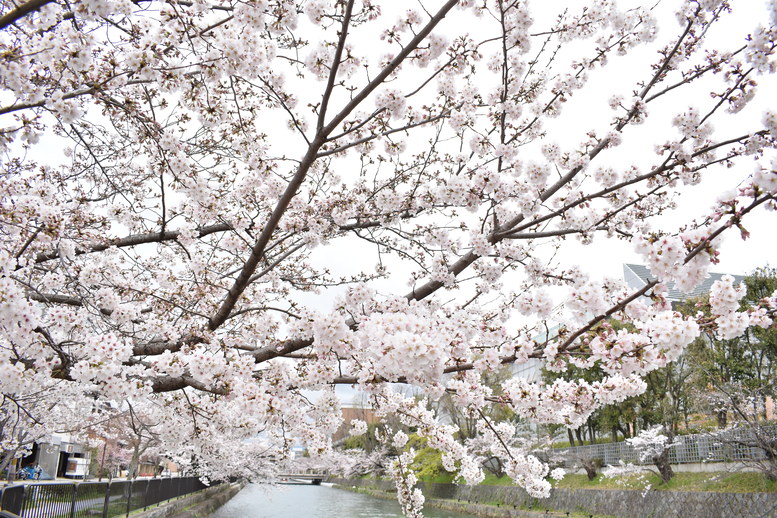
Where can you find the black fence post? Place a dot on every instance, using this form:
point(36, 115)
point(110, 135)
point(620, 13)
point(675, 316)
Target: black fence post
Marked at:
point(23, 498)
point(145, 496)
point(165, 490)
point(107, 501)
point(73, 503)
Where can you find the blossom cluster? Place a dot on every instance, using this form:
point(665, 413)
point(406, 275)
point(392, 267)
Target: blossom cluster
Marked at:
point(202, 222)
point(568, 402)
point(724, 303)
point(650, 443)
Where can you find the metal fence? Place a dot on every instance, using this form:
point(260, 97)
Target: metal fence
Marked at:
point(724, 446)
point(105, 499)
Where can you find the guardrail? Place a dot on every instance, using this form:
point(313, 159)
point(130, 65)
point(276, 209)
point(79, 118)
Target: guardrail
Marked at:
point(90, 499)
point(723, 446)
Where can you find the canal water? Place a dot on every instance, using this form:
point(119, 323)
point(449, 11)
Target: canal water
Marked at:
point(263, 501)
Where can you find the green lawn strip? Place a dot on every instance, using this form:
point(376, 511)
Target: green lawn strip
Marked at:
point(565, 444)
point(450, 478)
point(442, 478)
point(493, 480)
point(723, 482)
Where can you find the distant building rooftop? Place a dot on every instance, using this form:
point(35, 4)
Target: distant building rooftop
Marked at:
point(350, 412)
point(637, 275)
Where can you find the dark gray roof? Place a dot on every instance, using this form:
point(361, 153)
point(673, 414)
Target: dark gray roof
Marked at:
point(637, 275)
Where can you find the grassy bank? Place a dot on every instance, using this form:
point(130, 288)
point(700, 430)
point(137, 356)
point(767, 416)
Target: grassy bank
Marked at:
point(740, 482)
point(723, 482)
point(690, 489)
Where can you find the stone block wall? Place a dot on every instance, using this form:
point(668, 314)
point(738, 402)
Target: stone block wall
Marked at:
point(619, 503)
point(194, 505)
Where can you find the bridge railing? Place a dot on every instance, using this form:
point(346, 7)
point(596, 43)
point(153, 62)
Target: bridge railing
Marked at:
point(306, 476)
point(82, 499)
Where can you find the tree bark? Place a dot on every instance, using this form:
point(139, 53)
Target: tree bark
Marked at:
point(590, 466)
point(661, 461)
point(132, 470)
point(722, 418)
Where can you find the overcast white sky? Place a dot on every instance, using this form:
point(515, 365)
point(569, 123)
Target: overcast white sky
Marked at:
point(588, 110)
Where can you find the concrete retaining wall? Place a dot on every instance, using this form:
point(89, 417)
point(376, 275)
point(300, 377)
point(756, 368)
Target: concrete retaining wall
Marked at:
point(619, 503)
point(196, 505)
point(480, 510)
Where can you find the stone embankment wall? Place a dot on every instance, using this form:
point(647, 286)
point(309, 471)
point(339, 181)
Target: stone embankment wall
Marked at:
point(619, 503)
point(196, 505)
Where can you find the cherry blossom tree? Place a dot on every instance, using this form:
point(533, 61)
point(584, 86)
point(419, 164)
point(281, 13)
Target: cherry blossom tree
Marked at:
point(652, 446)
point(131, 437)
point(218, 206)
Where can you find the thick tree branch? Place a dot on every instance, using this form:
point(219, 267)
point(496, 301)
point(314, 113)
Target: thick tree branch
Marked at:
point(21, 11)
point(257, 251)
point(134, 240)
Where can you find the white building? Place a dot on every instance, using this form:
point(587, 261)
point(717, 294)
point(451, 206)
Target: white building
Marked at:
point(637, 275)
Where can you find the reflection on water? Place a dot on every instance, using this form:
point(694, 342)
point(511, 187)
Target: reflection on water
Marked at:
point(263, 501)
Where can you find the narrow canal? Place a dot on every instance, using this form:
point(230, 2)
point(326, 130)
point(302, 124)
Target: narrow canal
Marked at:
point(262, 501)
